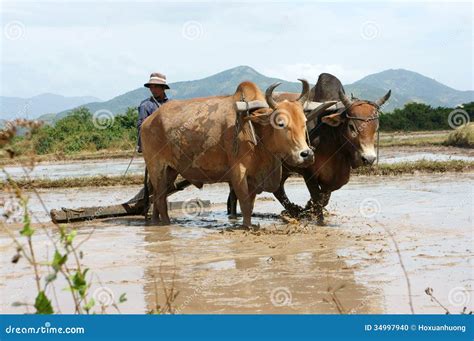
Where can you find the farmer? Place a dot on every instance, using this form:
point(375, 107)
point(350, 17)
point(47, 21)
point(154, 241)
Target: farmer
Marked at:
point(157, 85)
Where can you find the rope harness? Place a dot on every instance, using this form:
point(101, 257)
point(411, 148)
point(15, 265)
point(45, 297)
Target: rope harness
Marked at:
point(238, 126)
point(368, 119)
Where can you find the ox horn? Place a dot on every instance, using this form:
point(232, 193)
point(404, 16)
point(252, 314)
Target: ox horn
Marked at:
point(304, 92)
point(345, 99)
point(269, 95)
point(383, 99)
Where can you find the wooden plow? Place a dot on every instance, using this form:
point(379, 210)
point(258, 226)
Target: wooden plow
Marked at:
point(133, 207)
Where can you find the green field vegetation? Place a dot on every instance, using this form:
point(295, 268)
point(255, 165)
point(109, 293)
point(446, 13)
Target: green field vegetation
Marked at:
point(79, 132)
point(462, 137)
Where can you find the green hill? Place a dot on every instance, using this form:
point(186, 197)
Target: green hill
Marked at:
point(408, 86)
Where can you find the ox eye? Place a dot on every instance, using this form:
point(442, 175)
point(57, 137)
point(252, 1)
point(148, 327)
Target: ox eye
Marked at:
point(281, 124)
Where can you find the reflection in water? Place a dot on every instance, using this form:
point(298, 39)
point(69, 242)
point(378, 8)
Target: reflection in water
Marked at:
point(77, 169)
point(236, 271)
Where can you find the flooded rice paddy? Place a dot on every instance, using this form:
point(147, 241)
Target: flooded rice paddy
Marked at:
point(282, 267)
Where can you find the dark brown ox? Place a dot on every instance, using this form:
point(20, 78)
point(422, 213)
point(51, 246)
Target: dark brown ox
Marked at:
point(342, 139)
point(195, 138)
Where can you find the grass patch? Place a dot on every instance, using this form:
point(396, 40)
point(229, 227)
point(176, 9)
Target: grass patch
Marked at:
point(421, 166)
point(92, 181)
point(413, 142)
point(461, 137)
point(418, 139)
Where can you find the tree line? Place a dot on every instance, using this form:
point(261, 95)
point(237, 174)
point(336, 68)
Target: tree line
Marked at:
point(419, 116)
point(81, 131)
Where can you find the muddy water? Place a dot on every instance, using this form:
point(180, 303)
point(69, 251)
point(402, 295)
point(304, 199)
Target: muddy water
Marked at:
point(117, 167)
point(282, 268)
point(76, 169)
point(429, 153)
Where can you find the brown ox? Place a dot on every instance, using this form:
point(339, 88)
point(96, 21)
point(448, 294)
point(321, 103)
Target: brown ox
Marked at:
point(195, 138)
point(342, 139)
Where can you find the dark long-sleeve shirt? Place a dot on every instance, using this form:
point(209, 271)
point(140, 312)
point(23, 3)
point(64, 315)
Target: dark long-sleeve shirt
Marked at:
point(146, 108)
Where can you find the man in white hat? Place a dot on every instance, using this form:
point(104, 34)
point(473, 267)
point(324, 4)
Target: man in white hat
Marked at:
point(157, 85)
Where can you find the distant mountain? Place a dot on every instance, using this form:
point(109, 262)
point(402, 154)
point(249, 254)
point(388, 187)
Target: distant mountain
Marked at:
point(222, 83)
point(407, 86)
point(33, 107)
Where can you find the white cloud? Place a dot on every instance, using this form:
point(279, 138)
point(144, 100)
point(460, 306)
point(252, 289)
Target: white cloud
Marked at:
point(105, 49)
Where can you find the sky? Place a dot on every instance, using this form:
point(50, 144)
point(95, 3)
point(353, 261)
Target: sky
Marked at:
point(104, 49)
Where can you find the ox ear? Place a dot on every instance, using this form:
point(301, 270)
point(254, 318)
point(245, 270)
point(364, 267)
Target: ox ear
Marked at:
point(260, 116)
point(333, 120)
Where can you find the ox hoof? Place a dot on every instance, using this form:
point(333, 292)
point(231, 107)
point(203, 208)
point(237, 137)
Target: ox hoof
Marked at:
point(320, 221)
point(293, 211)
point(152, 222)
point(159, 222)
point(165, 223)
point(239, 227)
point(250, 227)
point(254, 228)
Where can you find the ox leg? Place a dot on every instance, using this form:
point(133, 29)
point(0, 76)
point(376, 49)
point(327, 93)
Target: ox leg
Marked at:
point(320, 203)
point(247, 209)
point(292, 209)
point(232, 204)
point(246, 198)
point(325, 196)
point(164, 185)
point(324, 200)
point(316, 204)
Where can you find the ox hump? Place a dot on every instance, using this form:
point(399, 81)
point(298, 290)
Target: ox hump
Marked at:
point(250, 92)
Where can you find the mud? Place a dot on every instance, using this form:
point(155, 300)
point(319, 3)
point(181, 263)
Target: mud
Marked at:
point(283, 267)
